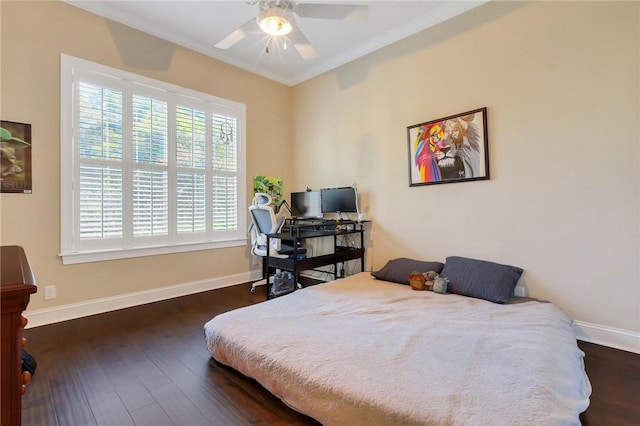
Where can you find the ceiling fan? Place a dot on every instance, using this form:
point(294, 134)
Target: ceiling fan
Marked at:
point(277, 19)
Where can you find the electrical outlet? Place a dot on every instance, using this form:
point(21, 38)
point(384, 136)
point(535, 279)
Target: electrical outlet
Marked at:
point(50, 292)
point(519, 291)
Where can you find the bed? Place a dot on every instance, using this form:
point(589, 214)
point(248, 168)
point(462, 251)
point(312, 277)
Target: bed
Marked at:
point(367, 351)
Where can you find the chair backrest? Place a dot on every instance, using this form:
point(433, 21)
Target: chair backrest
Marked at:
point(263, 218)
point(263, 221)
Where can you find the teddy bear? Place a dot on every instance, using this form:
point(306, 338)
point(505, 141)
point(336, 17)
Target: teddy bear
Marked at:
point(430, 277)
point(417, 281)
point(422, 280)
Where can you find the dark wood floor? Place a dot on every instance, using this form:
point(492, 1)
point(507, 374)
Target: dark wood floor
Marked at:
point(149, 365)
point(615, 379)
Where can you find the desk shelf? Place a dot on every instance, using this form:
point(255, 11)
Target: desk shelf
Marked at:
point(316, 261)
point(299, 232)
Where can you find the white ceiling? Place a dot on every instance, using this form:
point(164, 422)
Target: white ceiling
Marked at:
point(199, 25)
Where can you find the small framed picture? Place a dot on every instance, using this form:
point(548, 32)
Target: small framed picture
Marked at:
point(15, 157)
point(449, 149)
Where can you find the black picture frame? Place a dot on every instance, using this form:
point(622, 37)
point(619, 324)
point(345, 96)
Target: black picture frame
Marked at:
point(15, 157)
point(449, 149)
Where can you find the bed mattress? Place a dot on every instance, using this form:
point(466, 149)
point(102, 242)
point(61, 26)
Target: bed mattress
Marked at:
point(361, 351)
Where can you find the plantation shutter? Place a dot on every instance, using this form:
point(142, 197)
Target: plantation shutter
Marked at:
point(149, 165)
point(100, 152)
point(191, 161)
point(150, 173)
point(225, 166)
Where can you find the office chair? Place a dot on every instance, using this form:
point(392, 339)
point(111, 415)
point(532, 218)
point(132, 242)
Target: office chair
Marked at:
point(263, 222)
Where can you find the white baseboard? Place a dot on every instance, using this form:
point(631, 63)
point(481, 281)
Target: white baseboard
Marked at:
point(71, 311)
point(607, 336)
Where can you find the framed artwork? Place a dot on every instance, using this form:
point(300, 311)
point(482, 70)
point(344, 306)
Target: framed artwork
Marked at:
point(449, 149)
point(15, 157)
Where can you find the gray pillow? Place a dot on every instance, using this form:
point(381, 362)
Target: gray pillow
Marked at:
point(481, 279)
point(398, 270)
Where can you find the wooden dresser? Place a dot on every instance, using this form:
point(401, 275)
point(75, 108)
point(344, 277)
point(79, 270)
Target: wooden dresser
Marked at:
point(16, 285)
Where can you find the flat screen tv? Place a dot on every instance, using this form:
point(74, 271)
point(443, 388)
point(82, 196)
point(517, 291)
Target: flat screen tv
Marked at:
point(338, 200)
point(306, 205)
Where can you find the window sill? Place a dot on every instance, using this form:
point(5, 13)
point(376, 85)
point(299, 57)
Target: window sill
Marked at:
point(100, 256)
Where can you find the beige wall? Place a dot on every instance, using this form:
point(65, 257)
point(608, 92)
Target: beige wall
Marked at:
point(33, 35)
point(559, 79)
point(561, 84)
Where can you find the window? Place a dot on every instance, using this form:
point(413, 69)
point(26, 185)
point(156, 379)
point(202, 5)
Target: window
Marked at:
point(147, 167)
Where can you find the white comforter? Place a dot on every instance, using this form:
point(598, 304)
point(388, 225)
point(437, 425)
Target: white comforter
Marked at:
point(359, 351)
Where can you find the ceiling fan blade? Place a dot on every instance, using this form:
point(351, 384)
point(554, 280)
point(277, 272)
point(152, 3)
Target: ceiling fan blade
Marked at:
point(236, 35)
point(302, 45)
point(348, 12)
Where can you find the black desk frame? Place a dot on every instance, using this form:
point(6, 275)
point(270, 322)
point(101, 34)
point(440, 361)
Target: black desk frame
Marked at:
point(299, 231)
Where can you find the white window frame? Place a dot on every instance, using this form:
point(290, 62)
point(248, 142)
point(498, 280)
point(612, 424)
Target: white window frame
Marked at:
point(72, 250)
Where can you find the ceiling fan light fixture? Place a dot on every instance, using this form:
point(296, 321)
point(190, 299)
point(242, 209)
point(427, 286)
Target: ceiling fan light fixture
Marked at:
point(275, 21)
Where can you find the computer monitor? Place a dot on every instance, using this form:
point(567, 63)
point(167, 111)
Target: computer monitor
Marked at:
point(339, 200)
point(306, 205)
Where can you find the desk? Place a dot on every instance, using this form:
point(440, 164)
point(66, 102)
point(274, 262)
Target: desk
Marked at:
point(296, 232)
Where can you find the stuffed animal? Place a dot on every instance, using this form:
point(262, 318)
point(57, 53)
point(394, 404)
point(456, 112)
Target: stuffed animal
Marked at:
point(440, 285)
point(429, 276)
point(417, 281)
